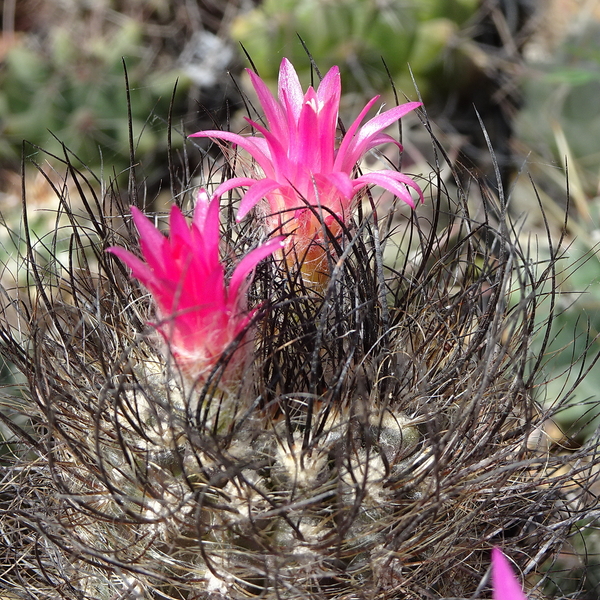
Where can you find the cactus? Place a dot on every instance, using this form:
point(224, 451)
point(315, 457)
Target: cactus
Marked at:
point(383, 438)
point(356, 34)
point(69, 89)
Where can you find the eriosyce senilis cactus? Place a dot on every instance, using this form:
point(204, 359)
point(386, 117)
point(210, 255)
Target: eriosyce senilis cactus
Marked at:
point(201, 417)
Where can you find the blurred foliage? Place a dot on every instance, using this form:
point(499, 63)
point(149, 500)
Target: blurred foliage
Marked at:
point(576, 337)
point(71, 85)
point(355, 35)
point(561, 104)
point(560, 122)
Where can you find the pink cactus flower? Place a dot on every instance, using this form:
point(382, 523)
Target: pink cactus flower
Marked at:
point(505, 584)
point(199, 315)
point(308, 182)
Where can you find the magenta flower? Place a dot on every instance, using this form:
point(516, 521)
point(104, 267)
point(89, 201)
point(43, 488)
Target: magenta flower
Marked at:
point(199, 314)
point(505, 584)
point(306, 180)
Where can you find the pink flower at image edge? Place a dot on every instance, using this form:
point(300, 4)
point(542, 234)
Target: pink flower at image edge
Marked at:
point(199, 314)
point(302, 171)
point(505, 584)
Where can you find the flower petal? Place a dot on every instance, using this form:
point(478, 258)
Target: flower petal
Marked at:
point(392, 181)
point(342, 182)
point(277, 152)
point(206, 223)
point(376, 124)
point(305, 147)
point(330, 88)
point(290, 91)
point(179, 231)
point(153, 243)
point(505, 584)
point(342, 162)
point(247, 143)
point(201, 208)
point(255, 194)
point(328, 95)
point(363, 140)
point(139, 269)
point(146, 276)
point(249, 262)
point(378, 140)
point(272, 109)
point(230, 184)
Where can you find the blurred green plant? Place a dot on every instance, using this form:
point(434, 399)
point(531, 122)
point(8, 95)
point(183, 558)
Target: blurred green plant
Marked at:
point(71, 86)
point(559, 127)
point(568, 355)
point(560, 105)
point(577, 338)
point(355, 35)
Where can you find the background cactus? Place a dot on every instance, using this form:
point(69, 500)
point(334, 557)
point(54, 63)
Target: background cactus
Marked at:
point(355, 35)
point(62, 78)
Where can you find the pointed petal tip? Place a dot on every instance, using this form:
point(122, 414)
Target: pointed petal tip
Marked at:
point(333, 73)
point(113, 250)
point(505, 584)
point(137, 214)
point(279, 240)
point(202, 196)
point(287, 68)
point(143, 224)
